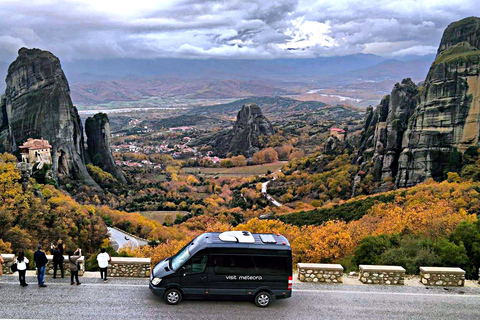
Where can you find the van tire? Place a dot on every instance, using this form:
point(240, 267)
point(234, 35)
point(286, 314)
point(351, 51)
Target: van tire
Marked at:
point(173, 296)
point(263, 299)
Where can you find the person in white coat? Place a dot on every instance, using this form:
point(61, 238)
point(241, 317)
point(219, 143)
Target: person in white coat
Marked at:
point(103, 259)
point(22, 263)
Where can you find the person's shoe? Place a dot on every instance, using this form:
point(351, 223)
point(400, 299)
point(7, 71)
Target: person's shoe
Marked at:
point(78, 283)
point(105, 280)
point(72, 283)
point(43, 286)
point(54, 277)
point(25, 284)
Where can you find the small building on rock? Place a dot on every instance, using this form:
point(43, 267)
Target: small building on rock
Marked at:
point(338, 133)
point(36, 150)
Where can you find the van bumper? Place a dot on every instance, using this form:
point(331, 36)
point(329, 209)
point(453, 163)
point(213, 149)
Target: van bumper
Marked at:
point(158, 291)
point(279, 294)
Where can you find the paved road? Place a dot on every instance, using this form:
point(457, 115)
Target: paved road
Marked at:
point(120, 238)
point(269, 197)
point(131, 299)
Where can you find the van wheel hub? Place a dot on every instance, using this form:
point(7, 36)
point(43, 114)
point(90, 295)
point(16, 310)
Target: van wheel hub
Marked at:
point(263, 300)
point(173, 297)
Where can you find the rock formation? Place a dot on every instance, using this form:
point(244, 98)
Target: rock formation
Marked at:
point(447, 118)
point(381, 139)
point(333, 146)
point(250, 125)
point(414, 133)
point(97, 129)
point(244, 138)
point(37, 104)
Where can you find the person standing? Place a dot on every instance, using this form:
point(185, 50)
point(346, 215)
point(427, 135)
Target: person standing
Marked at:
point(1, 265)
point(58, 258)
point(40, 262)
point(74, 267)
point(22, 263)
point(103, 259)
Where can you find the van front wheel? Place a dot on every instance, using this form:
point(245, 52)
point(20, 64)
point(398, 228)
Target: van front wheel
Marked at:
point(263, 299)
point(173, 296)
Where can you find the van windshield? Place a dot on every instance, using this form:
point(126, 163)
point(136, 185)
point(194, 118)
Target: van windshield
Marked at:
point(179, 259)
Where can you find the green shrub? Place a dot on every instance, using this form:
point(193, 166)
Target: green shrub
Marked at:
point(371, 248)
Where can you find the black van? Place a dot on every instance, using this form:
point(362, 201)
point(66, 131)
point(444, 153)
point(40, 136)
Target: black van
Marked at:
point(231, 264)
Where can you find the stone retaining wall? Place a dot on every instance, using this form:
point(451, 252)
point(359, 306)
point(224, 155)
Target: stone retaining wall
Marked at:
point(433, 276)
point(8, 258)
point(389, 275)
point(66, 266)
point(319, 272)
point(129, 267)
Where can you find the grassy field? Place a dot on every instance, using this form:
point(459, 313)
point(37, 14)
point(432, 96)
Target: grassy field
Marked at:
point(161, 215)
point(235, 172)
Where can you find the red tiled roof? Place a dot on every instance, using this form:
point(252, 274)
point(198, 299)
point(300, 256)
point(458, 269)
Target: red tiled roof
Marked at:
point(35, 144)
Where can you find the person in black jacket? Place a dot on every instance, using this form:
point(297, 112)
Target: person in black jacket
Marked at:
point(58, 258)
point(40, 262)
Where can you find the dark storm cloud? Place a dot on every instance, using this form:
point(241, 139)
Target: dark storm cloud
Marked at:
point(86, 29)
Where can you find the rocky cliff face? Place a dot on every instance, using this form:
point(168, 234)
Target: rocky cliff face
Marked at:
point(446, 119)
point(415, 133)
point(37, 104)
point(97, 129)
point(381, 139)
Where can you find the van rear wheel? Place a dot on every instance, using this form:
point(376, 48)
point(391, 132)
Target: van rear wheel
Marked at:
point(263, 299)
point(173, 296)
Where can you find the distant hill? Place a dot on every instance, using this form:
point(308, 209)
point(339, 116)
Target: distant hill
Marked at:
point(267, 104)
point(395, 69)
point(185, 120)
point(218, 68)
point(132, 89)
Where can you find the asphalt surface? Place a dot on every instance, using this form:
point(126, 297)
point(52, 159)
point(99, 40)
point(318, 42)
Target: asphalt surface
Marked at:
point(131, 299)
point(120, 239)
point(269, 197)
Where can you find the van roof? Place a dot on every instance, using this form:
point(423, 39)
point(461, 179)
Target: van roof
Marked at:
point(260, 241)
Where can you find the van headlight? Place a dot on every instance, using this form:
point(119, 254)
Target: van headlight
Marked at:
point(156, 281)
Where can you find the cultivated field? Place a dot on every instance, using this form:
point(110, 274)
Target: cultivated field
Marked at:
point(235, 172)
point(160, 216)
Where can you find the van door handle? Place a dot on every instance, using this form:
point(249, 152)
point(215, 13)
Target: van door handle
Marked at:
point(203, 277)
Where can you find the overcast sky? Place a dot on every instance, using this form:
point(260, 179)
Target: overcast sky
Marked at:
point(99, 29)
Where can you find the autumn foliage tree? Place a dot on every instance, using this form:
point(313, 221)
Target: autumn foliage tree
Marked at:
point(267, 155)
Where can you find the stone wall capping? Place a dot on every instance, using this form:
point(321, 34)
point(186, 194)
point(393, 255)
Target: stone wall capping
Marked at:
point(442, 270)
point(321, 266)
point(373, 268)
point(128, 260)
point(7, 257)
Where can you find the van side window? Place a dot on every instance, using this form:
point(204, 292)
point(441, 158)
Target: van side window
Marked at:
point(233, 265)
point(197, 264)
point(271, 265)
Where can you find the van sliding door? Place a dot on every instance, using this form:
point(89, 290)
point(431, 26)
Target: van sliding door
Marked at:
point(232, 275)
